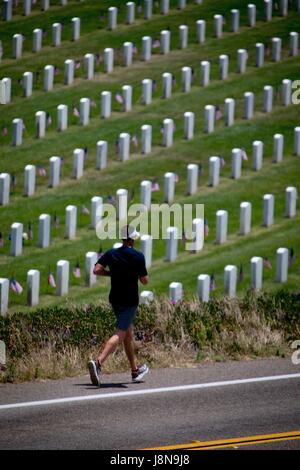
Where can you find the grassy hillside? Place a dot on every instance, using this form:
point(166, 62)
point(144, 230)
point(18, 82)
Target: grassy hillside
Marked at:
point(273, 178)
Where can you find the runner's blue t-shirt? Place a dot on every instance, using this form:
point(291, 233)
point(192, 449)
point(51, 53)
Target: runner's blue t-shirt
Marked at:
point(126, 265)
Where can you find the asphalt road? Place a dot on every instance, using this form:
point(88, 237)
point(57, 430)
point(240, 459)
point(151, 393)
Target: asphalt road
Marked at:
point(211, 402)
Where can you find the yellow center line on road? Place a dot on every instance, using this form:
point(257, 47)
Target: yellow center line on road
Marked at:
point(234, 442)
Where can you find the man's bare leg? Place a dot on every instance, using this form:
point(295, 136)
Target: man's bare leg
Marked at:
point(111, 345)
point(129, 349)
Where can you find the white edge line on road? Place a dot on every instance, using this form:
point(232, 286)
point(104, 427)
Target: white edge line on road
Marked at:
point(148, 391)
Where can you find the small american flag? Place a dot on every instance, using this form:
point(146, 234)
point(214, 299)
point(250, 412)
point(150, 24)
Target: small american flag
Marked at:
point(48, 120)
point(111, 199)
point(76, 270)
point(213, 284)
point(241, 273)
point(84, 210)
point(56, 221)
point(183, 239)
point(75, 112)
point(134, 140)
point(156, 44)
point(206, 228)
point(119, 98)
point(77, 64)
point(51, 280)
point(4, 131)
point(244, 155)
point(1, 241)
point(42, 171)
point(292, 256)
point(154, 187)
point(267, 263)
point(218, 114)
point(16, 286)
point(222, 162)
point(30, 231)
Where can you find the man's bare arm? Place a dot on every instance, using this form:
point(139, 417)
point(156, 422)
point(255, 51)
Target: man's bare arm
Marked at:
point(144, 280)
point(99, 270)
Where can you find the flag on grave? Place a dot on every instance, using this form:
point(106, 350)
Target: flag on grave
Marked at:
point(76, 270)
point(16, 286)
point(51, 280)
point(267, 263)
point(213, 284)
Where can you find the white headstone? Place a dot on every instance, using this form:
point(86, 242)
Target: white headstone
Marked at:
point(55, 163)
point(284, 7)
point(75, 29)
point(27, 84)
point(16, 244)
point(282, 264)
point(256, 272)
point(168, 130)
point(4, 188)
point(257, 155)
point(235, 20)
point(44, 230)
point(71, 222)
point(186, 74)
point(248, 105)
point(112, 18)
point(294, 43)
point(236, 163)
point(146, 139)
point(167, 85)
point(221, 226)
point(245, 218)
point(209, 118)
point(278, 142)
point(201, 27)
point(183, 36)
point(175, 292)
point(105, 104)
point(189, 124)
point(7, 10)
point(6, 83)
point(148, 9)
point(205, 72)
point(124, 146)
point(89, 64)
point(268, 9)
point(48, 77)
point(165, 41)
point(4, 292)
point(56, 34)
point(164, 7)
point(29, 180)
point(101, 162)
point(297, 141)
point(276, 49)
point(229, 110)
point(146, 249)
point(251, 14)
point(146, 297)
point(290, 201)
point(259, 54)
point(40, 124)
point(223, 66)
point(69, 72)
point(63, 272)
point(242, 56)
point(17, 132)
point(127, 53)
point(181, 4)
point(130, 12)
point(146, 48)
point(203, 287)
point(214, 171)
point(37, 40)
point(96, 210)
point(91, 259)
point(78, 163)
point(17, 46)
point(218, 26)
point(127, 98)
point(192, 178)
point(45, 4)
point(122, 199)
point(169, 187)
point(286, 92)
point(172, 243)
point(230, 279)
point(268, 202)
point(62, 117)
point(198, 235)
point(108, 60)
point(84, 111)
point(147, 91)
point(146, 193)
point(33, 287)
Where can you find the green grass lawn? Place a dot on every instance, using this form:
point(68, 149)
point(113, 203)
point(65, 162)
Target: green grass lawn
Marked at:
point(273, 178)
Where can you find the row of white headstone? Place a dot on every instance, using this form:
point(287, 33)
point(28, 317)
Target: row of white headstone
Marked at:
point(173, 234)
point(215, 162)
point(27, 6)
point(168, 124)
point(112, 11)
point(128, 47)
point(230, 279)
point(175, 288)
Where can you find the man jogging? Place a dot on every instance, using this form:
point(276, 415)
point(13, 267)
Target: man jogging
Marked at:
point(126, 267)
